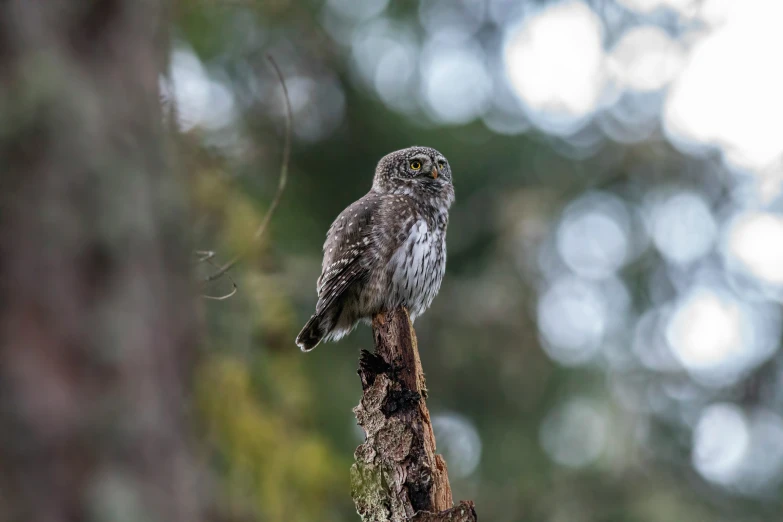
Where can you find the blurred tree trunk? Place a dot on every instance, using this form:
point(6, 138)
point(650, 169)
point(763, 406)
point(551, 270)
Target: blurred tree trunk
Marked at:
point(97, 327)
point(397, 476)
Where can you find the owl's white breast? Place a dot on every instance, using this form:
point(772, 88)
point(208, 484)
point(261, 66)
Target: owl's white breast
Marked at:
point(417, 268)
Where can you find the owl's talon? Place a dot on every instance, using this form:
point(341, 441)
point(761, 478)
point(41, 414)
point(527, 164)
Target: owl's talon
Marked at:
point(370, 366)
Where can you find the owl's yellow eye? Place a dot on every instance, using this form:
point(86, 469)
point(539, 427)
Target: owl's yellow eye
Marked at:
point(416, 165)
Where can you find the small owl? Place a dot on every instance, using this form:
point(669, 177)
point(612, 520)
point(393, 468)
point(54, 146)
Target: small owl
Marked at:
point(387, 249)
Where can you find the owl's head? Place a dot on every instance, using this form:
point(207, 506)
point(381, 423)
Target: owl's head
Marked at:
point(418, 171)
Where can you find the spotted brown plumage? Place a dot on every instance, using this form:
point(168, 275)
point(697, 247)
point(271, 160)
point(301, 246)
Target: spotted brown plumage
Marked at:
point(386, 250)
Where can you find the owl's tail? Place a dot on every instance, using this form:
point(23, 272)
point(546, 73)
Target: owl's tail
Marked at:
point(311, 334)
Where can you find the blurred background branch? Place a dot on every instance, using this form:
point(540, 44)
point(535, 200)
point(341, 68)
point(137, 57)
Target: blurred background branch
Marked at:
point(283, 179)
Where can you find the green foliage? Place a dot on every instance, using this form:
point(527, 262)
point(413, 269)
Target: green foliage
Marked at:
point(272, 464)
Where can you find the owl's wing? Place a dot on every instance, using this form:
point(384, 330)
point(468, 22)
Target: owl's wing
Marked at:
point(348, 242)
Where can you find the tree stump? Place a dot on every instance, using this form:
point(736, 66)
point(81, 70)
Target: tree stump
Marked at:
point(397, 476)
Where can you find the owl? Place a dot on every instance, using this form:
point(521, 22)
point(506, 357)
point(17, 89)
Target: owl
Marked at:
point(386, 250)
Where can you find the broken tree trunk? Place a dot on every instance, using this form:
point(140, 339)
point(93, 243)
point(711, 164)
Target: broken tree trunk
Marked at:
point(397, 475)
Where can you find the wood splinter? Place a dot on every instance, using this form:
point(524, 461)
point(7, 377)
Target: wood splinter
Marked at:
point(397, 476)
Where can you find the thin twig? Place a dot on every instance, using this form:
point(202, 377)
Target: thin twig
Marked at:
point(204, 255)
point(223, 297)
point(208, 258)
point(283, 176)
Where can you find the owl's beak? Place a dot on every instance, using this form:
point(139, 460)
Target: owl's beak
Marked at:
point(434, 173)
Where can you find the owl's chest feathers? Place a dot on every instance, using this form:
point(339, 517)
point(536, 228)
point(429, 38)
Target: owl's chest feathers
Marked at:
point(416, 268)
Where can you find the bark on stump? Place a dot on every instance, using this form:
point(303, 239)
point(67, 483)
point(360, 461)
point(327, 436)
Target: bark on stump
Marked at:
point(397, 475)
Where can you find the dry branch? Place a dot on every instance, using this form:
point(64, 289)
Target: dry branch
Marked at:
point(397, 475)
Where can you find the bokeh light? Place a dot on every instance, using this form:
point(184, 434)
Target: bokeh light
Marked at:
point(754, 245)
point(721, 439)
point(718, 337)
point(646, 6)
point(454, 102)
point(200, 100)
point(554, 61)
point(739, 450)
point(645, 59)
point(593, 235)
point(458, 441)
point(576, 433)
point(734, 68)
point(572, 318)
point(682, 226)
